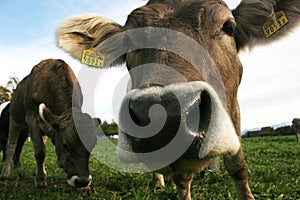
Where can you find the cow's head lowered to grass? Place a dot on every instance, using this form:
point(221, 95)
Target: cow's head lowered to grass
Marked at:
point(182, 56)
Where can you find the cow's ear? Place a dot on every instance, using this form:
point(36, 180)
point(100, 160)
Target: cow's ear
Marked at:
point(83, 33)
point(48, 117)
point(263, 21)
point(97, 121)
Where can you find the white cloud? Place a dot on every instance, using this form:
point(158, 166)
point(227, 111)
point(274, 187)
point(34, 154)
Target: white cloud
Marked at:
point(270, 80)
point(18, 60)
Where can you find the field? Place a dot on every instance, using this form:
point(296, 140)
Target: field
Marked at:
point(274, 171)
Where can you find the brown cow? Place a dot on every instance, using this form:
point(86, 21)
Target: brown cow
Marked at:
point(52, 83)
point(296, 127)
point(182, 56)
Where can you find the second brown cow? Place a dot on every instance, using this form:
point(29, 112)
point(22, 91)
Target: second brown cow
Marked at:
point(48, 102)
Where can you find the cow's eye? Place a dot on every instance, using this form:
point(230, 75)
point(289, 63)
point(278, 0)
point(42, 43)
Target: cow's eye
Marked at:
point(229, 27)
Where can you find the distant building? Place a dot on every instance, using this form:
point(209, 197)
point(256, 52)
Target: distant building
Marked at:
point(252, 134)
point(265, 131)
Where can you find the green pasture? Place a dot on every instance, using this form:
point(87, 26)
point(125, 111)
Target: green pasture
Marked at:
point(274, 173)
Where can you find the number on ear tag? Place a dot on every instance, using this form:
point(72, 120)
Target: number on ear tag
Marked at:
point(271, 26)
point(93, 58)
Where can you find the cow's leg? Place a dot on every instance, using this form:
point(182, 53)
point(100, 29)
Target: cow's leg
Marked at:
point(3, 140)
point(2, 146)
point(14, 131)
point(39, 150)
point(298, 136)
point(3, 152)
point(158, 180)
point(237, 169)
point(183, 185)
point(21, 141)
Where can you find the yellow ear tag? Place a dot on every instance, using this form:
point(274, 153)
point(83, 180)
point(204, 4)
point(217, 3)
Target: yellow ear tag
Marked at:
point(93, 58)
point(271, 26)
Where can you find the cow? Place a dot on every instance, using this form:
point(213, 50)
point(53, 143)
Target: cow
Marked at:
point(182, 56)
point(296, 127)
point(48, 102)
point(4, 129)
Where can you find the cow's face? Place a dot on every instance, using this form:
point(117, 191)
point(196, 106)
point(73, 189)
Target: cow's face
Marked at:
point(74, 137)
point(184, 82)
point(186, 39)
point(182, 59)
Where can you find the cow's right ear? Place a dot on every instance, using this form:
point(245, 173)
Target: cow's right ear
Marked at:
point(47, 116)
point(87, 32)
point(264, 21)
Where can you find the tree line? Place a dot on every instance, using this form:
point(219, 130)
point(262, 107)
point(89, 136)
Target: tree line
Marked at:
point(109, 128)
point(7, 91)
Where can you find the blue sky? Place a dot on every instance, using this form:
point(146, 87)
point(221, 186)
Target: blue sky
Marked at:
point(267, 93)
point(27, 21)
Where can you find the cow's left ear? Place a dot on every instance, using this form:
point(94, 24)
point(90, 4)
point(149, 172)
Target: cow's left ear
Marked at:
point(92, 39)
point(47, 116)
point(264, 21)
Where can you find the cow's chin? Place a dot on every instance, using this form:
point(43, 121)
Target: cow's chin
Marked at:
point(195, 146)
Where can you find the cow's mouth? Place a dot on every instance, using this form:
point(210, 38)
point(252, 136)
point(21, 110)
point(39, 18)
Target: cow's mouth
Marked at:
point(180, 121)
point(79, 182)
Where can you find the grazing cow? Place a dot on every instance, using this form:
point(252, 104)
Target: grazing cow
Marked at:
point(52, 83)
point(4, 129)
point(296, 127)
point(182, 56)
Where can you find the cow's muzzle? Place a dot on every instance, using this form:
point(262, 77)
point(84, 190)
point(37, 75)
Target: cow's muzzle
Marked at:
point(79, 182)
point(165, 123)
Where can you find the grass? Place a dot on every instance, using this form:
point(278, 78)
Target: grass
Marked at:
point(274, 173)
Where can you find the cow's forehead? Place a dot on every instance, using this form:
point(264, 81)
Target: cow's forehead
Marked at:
point(181, 2)
point(180, 14)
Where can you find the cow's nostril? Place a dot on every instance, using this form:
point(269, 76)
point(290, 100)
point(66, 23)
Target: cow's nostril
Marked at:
point(199, 115)
point(138, 111)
